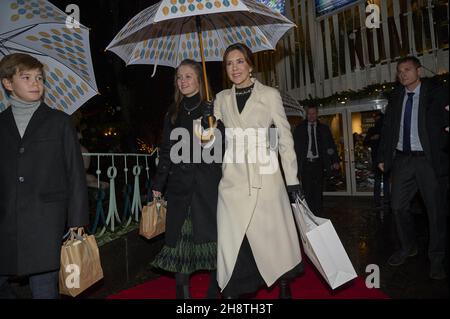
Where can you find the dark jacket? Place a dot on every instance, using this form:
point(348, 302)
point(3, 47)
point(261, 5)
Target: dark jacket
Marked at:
point(373, 138)
point(42, 190)
point(188, 184)
point(432, 119)
point(325, 144)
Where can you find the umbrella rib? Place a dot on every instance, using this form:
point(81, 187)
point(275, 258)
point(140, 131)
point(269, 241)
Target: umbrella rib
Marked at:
point(179, 41)
point(257, 25)
point(21, 51)
point(3, 52)
point(64, 24)
point(248, 16)
point(22, 30)
point(10, 39)
point(33, 26)
point(216, 28)
point(278, 23)
point(46, 55)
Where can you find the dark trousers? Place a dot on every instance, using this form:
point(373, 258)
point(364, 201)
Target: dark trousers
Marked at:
point(409, 175)
point(312, 182)
point(43, 286)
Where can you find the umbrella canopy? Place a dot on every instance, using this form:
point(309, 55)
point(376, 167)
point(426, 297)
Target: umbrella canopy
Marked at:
point(291, 105)
point(38, 28)
point(166, 33)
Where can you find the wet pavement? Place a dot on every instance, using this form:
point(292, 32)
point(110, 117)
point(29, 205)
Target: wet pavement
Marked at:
point(367, 235)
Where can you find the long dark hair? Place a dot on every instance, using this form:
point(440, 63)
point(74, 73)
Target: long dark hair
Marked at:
point(174, 109)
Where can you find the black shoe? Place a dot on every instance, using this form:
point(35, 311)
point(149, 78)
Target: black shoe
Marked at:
point(437, 271)
point(399, 257)
point(285, 289)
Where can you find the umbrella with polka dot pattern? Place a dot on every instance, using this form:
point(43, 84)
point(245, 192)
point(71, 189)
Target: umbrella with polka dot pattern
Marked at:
point(38, 28)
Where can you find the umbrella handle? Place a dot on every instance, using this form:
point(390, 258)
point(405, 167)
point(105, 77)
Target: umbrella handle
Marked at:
point(198, 23)
point(205, 78)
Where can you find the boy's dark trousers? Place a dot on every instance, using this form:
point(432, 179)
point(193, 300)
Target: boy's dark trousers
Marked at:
point(43, 286)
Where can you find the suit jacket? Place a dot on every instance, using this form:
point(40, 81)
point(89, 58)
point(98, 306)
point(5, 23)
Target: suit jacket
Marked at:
point(432, 118)
point(325, 144)
point(42, 190)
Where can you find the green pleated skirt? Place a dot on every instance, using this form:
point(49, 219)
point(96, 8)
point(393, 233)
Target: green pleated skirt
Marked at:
point(187, 257)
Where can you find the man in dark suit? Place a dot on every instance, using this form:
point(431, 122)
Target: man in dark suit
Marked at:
point(413, 126)
point(316, 155)
point(42, 180)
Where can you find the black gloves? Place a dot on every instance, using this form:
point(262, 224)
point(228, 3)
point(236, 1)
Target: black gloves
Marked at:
point(208, 110)
point(295, 191)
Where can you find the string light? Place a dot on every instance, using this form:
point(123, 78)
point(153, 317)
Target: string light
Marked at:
point(144, 147)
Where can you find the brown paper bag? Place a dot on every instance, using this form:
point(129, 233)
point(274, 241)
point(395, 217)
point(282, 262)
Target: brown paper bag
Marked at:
point(153, 221)
point(80, 264)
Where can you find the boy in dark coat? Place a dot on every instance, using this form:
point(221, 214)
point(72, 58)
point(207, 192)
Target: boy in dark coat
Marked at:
point(42, 181)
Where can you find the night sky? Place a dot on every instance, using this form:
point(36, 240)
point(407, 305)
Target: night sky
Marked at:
point(149, 97)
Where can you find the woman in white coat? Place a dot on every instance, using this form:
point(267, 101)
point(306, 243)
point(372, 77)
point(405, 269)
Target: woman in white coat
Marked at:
point(257, 238)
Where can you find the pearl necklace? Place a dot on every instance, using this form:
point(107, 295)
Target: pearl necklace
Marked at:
point(244, 91)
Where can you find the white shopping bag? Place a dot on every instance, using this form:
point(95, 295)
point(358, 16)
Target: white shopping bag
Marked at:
point(323, 246)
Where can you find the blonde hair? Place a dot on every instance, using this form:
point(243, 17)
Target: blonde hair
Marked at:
point(178, 96)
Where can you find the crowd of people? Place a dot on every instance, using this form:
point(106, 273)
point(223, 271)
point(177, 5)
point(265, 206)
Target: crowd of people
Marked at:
point(228, 216)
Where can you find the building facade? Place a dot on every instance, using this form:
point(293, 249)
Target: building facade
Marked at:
point(342, 52)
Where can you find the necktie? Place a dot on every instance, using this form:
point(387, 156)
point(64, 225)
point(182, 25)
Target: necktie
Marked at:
point(313, 141)
point(407, 123)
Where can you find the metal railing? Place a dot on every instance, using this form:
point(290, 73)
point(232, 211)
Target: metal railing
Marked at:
point(116, 168)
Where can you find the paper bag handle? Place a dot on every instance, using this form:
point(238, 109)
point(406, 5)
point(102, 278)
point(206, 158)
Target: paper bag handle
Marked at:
point(75, 235)
point(159, 203)
point(309, 214)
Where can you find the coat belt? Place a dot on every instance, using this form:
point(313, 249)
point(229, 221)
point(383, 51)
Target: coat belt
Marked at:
point(250, 148)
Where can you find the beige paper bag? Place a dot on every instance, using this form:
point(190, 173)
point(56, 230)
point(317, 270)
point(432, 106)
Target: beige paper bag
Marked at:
point(80, 264)
point(153, 221)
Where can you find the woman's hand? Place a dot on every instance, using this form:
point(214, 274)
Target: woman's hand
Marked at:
point(208, 111)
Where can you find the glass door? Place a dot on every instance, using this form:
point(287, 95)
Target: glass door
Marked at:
point(361, 165)
point(349, 126)
point(338, 183)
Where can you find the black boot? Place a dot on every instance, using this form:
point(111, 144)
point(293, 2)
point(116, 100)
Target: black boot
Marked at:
point(285, 289)
point(182, 286)
point(213, 288)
